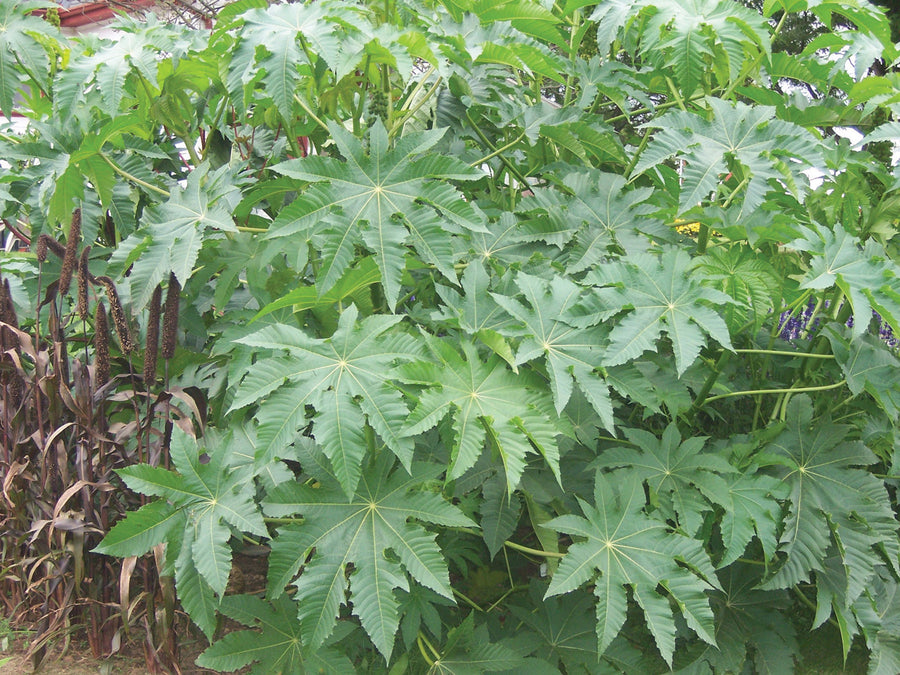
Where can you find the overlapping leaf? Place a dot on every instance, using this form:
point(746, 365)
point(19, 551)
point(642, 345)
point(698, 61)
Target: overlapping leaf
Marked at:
point(345, 378)
point(859, 269)
point(276, 648)
point(571, 354)
point(171, 237)
point(762, 145)
point(683, 480)
point(598, 215)
point(831, 497)
point(380, 200)
point(662, 297)
point(620, 547)
point(359, 532)
point(208, 500)
point(488, 404)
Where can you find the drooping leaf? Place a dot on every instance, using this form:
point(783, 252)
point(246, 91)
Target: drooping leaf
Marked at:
point(359, 532)
point(499, 513)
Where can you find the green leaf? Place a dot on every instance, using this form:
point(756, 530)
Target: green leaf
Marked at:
point(141, 530)
point(499, 513)
point(747, 278)
point(21, 37)
point(860, 269)
point(274, 42)
point(175, 230)
point(662, 297)
point(276, 646)
point(487, 403)
point(346, 379)
point(370, 200)
point(620, 547)
point(470, 651)
point(683, 480)
point(829, 499)
point(362, 275)
point(359, 531)
point(212, 497)
point(570, 353)
point(867, 366)
point(751, 508)
point(597, 215)
point(737, 138)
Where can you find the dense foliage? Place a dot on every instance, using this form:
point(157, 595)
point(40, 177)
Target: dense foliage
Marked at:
point(522, 336)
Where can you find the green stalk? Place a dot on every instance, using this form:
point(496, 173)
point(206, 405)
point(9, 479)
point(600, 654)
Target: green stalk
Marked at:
point(312, 115)
point(778, 352)
point(792, 390)
point(134, 179)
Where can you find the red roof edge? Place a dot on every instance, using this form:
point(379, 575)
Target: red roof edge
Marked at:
point(91, 12)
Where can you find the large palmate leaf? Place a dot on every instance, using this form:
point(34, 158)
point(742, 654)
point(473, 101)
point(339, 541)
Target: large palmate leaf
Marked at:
point(867, 366)
point(769, 153)
point(488, 404)
point(830, 499)
point(276, 648)
point(570, 353)
point(172, 234)
point(359, 532)
point(684, 481)
point(345, 378)
point(476, 313)
point(662, 297)
point(618, 546)
point(278, 41)
point(470, 651)
point(597, 215)
point(696, 33)
point(381, 199)
point(751, 509)
point(750, 625)
point(859, 269)
point(207, 499)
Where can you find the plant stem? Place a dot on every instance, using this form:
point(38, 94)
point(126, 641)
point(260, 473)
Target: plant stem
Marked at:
point(504, 148)
point(484, 139)
point(779, 352)
point(467, 600)
point(398, 124)
point(798, 390)
point(421, 646)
